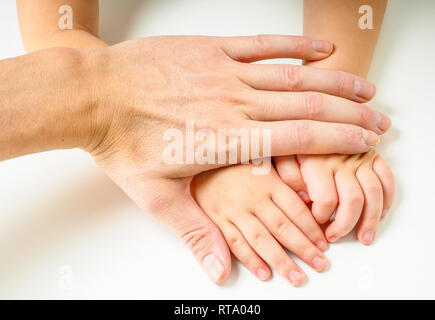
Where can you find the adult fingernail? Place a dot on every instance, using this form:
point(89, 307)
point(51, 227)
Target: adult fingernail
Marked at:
point(295, 277)
point(368, 236)
point(370, 138)
point(382, 121)
point(304, 196)
point(321, 245)
point(363, 89)
point(322, 46)
point(262, 273)
point(318, 263)
point(213, 266)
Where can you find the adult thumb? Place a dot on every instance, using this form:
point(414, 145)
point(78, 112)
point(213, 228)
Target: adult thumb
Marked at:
point(176, 209)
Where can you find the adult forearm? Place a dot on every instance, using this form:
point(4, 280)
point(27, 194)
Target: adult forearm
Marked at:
point(338, 21)
point(45, 102)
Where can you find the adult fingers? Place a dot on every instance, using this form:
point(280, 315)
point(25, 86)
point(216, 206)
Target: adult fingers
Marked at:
point(312, 137)
point(386, 177)
point(373, 202)
point(275, 106)
point(290, 236)
point(260, 47)
point(288, 170)
point(351, 202)
point(268, 248)
point(290, 77)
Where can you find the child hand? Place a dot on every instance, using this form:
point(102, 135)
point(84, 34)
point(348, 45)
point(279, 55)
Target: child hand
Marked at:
point(257, 214)
point(359, 187)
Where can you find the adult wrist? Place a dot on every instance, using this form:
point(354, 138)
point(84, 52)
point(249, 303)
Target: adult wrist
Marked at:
point(45, 102)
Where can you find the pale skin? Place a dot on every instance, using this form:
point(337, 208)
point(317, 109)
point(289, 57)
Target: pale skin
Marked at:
point(121, 117)
point(359, 187)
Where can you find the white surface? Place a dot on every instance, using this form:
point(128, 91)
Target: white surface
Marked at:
point(62, 220)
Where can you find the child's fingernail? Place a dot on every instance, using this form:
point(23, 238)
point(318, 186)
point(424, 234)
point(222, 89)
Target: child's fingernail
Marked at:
point(363, 89)
point(213, 266)
point(384, 212)
point(295, 277)
point(321, 244)
point(322, 46)
point(370, 138)
point(332, 238)
point(262, 273)
point(383, 122)
point(304, 196)
point(368, 236)
point(319, 263)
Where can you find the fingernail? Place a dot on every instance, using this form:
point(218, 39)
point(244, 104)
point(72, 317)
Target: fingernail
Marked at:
point(322, 46)
point(363, 89)
point(262, 273)
point(213, 266)
point(321, 245)
point(384, 212)
point(370, 138)
point(368, 236)
point(332, 238)
point(318, 263)
point(382, 121)
point(295, 277)
point(304, 196)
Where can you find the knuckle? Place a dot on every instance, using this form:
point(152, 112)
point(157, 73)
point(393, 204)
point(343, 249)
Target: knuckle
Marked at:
point(302, 133)
point(299, 44)
point(291, 77)
point(351, 133)
point(342, 83)
point(355, 199)
point(236, 243)
point(196, 239)
point(282, 228)
point(366, 114)
point(313, 105)
point(260, 238)
point(374, 188)
point(262, 42)
point(299, 210)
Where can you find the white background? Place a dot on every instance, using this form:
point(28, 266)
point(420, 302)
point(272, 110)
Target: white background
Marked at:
point(66, 231)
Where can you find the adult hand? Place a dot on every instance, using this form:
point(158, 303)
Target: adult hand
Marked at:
point(144, 87)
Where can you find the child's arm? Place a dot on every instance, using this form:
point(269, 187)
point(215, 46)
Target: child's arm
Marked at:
point(339, 22)
point(39, 24)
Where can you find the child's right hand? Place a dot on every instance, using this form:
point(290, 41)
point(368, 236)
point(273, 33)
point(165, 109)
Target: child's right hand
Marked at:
point(257, 214)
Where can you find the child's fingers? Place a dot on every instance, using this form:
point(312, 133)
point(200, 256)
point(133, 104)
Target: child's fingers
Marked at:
point(268, 248)
point(321, 190)
point(373, 203)
point(386, 177)
point(351, 200)
point(293, 207)
point(290, 236)
point(242, 251)
point(288, 170)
